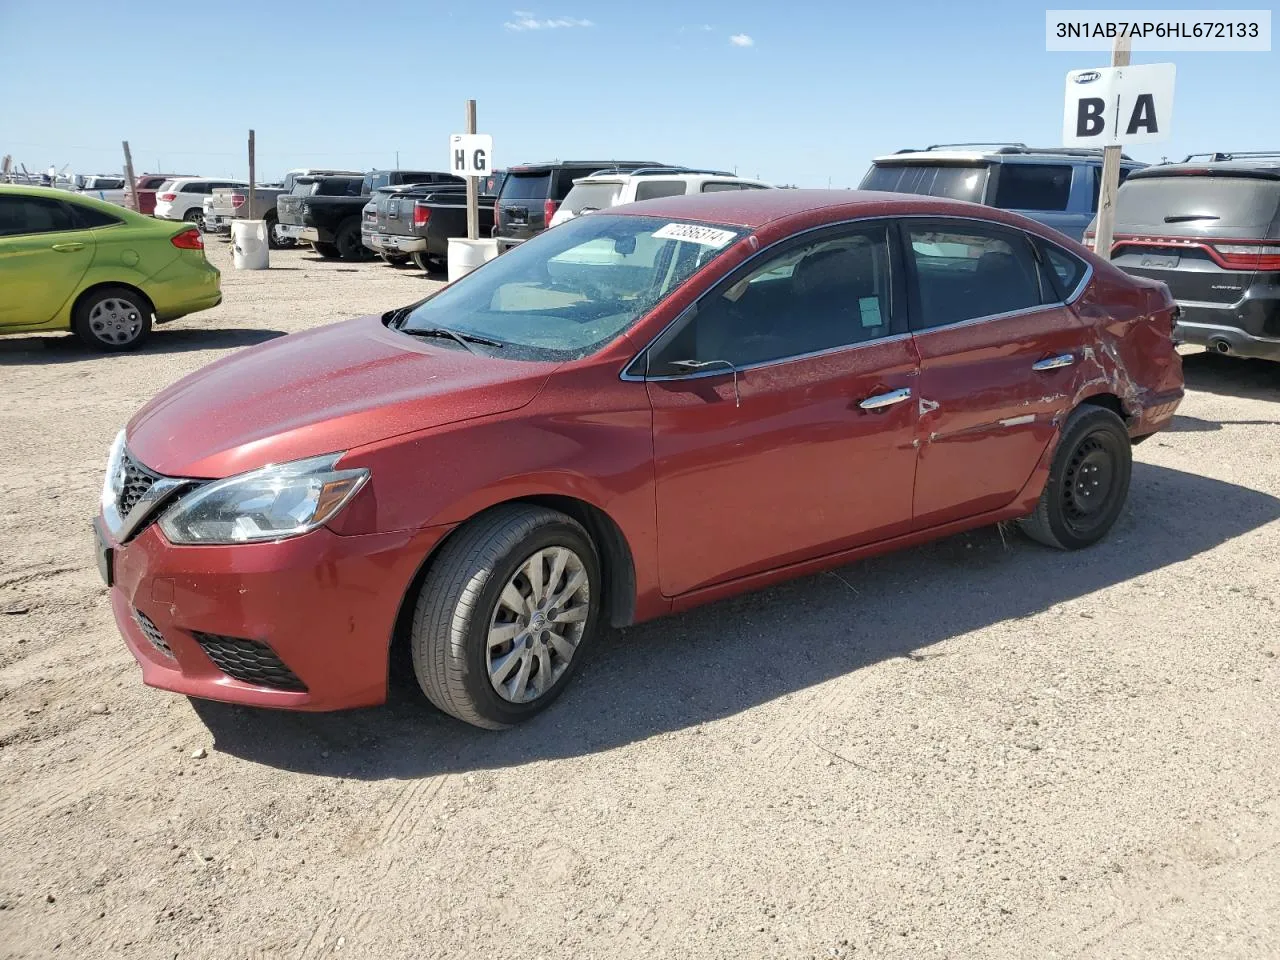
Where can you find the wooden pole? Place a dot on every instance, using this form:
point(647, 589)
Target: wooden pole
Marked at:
point(130, 179)
point(1110, 168)
point(252, 182)
point(473, 186)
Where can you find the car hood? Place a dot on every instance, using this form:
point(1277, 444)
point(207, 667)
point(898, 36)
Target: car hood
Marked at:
point(329, 389)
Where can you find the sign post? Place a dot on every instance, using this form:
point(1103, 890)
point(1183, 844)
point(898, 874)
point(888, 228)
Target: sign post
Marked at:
point(1109, 107)
point(252, 172)
point(130, 180)
point(471, 156)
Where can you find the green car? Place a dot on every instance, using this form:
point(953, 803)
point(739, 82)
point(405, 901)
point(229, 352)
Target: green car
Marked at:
point(69, 262)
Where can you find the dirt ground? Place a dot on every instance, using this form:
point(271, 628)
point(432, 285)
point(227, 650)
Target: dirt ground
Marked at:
point(979, 748)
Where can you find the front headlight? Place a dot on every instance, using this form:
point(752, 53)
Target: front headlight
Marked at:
point(284, 500)
point(113, 483)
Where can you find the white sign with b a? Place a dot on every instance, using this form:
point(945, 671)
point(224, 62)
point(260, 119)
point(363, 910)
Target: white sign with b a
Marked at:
point(1118, 106)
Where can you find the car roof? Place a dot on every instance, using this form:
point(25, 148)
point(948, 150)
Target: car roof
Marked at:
point(667, 174)
point(757, 208)
point(1010, 153)
point(204, 179)
point(1262, 169)
point(596, 164)
point(70, 196)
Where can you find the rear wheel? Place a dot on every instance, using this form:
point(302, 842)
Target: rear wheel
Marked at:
point(326, 250)
point(1088, 481)
point(275, 239)
point(196, 216)
point(112, 319)
point(504, 614)
point(348, 242)
point(424, 262)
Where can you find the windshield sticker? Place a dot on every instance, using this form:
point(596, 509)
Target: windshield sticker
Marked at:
point(693, 233)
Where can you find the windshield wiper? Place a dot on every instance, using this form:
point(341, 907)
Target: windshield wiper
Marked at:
point(466, 339)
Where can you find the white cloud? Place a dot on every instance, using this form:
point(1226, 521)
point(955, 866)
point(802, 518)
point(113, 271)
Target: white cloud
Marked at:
point(741, 40)
point(526, 20)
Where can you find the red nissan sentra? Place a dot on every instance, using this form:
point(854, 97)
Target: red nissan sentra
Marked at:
point(633, 413)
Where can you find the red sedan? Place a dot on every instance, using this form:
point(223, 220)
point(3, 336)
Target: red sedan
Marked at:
point(633, 413)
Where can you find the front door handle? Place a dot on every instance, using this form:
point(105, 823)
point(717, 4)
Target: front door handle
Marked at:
point(68, 247)
point(882, 400)
point(1055, 363)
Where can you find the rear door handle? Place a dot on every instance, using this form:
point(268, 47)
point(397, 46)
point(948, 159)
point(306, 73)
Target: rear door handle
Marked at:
point(1055, 363)
point(882, 400)
point(68, 247)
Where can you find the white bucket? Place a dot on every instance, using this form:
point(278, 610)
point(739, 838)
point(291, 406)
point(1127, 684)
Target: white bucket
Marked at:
point(249, 247)
point(466, 255)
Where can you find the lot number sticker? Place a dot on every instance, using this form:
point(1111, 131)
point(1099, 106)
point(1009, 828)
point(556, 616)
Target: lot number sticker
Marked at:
point(692, 233)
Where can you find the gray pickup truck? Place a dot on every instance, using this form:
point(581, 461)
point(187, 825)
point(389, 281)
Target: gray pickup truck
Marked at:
point(225, 205)
point(415, 222)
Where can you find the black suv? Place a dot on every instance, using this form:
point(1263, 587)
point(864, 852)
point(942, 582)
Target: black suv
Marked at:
point(1210, 230)
point(531, 194)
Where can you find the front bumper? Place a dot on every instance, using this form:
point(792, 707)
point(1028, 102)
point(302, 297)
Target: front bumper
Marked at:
point(290, 231)
point(325, 605)
point(314, 235)
point(393, 243)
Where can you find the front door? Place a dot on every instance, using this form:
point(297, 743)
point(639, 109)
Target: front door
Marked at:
point(998, 361)
point(43, 255)
point(783, 417)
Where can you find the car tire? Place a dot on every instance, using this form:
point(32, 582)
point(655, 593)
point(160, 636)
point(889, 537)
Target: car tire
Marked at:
point(326, 250)
point(395, 259)
point(113, 319)
point(1088, 481)
point(195, 216)
point(513, 568)
point(425, 262)
point(274, 240)
point(350, 247)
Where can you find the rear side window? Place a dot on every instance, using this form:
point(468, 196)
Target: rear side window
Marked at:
point(1097, 183)
point(339, 187)
point(713, 186)
point(930, 180)
point(650, 189)
point(152, 183)
point(165, 186)
point(87, 217)
point(526, 186)
point(197, 187)
point(1244, 207)
point(1063, 271)
point(964, 272)
point(26, 215)
point(1033, 186)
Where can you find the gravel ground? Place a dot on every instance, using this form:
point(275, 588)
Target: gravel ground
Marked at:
point(978, 748)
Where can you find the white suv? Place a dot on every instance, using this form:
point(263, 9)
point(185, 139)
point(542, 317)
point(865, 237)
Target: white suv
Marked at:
point(183, 199)
point(599, 191)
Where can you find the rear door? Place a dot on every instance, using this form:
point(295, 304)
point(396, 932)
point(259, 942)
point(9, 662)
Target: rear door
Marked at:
point(1056, 194)
point(998, 352)
point(44, 253)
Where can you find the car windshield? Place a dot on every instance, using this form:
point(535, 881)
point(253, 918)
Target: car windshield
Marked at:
point(570, 290)
point(929, 179)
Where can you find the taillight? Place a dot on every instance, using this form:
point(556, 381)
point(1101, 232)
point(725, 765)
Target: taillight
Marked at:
point(237, 200)
point(188, 240)
point(1248, 256)
point(421, 214)
point(549, 210)
point(168, 197)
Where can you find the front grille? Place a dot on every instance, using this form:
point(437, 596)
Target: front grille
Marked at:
point(137, 481)
point(248, 661)
point(152, 632)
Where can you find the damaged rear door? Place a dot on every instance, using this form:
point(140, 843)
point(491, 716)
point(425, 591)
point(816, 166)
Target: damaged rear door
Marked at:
point(999, 359)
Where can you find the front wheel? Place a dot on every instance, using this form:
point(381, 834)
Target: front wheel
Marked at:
point(275, 239)
point(1088, 481)
point(504, 614)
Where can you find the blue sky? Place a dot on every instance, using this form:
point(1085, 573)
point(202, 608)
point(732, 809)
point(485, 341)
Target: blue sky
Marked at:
point(799, 92)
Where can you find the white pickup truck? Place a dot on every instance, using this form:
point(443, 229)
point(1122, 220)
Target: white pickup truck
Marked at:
point(111, 189)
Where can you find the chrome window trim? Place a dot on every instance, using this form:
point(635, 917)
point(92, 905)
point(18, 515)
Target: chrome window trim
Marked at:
point(629, 377)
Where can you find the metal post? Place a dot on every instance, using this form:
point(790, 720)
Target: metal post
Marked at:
point(473, 186)
point(1110, 168)
point(130, 178)
point(252, 181)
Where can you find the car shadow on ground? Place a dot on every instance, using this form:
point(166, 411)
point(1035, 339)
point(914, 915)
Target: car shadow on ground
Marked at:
point(64, 348)
point(1232, 376)
point(683, 671)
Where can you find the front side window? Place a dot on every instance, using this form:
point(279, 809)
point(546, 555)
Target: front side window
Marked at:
point(1033, 186)
point(27, 215)
point(816, 296)
point(964, 272)
point(570, 290)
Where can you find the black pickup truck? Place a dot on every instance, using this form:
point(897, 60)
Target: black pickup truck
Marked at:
point(332, 223)
point(416, 222)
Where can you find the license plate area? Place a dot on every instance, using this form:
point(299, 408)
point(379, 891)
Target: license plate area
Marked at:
point(1159, 261)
